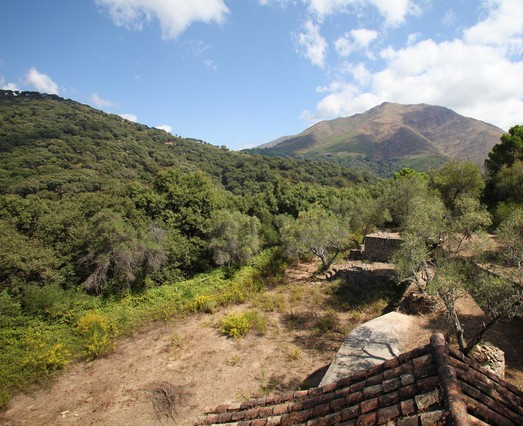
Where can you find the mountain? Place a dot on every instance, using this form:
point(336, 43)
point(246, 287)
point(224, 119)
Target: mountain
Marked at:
point(418, 136)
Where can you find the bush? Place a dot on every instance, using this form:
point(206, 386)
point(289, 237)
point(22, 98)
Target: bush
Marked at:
point(97, 332)
point(43, 356)
point(238, 325)
point(203, 304)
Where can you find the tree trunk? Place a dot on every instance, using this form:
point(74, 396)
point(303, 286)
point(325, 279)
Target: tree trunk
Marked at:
point(329, 263)
point(479, 335)
point(459, 330)
point(449, 300)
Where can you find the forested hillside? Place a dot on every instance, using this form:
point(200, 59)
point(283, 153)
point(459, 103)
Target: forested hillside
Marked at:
point(69, 170)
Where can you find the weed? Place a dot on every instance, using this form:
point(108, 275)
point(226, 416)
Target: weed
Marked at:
point(296, 293)
point(355, 316)
point(293, 353)
point(205, 304)
point(176, 340)
point(238, 325)
point(270, 302)
point(328, 322)
point(43, 356)
point(235, 360)
point(96, 331)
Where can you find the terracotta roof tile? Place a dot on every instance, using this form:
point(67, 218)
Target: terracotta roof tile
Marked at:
point(428, 385)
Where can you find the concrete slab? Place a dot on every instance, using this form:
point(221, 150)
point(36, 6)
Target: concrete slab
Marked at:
point(369, 344)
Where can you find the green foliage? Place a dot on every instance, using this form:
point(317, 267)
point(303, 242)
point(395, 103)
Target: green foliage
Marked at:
point(233, 237)
point(505, 170)
point(238, 325)
point(457, 180)
point(507, 152)
point(327, 322)
point(511, 236)
point(400, 192)
point(317, 231)
point(508, 182)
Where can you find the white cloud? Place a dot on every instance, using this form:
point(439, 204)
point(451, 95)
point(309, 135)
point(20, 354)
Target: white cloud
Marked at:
point(41, 82)
point(355, 40)
point(10, 86)
point(7, 86)
point(209, 63)
point(394, 12)
point(476, 76)
point(130, 117)
point(450, 18)
point(165, 127)
point(100, 102)
point(175, 16)
point(502, 27)
point(311, 44)
point(411, 38)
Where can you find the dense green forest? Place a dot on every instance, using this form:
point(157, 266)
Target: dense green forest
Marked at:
point(106, 223)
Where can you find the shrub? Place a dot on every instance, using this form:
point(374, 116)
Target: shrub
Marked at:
point(327, 322)
point(43, 356)
point(203, 304)
point(238, 325)
point(96, 331)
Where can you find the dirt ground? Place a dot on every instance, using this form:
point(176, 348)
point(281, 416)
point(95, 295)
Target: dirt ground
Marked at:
point(200, 367)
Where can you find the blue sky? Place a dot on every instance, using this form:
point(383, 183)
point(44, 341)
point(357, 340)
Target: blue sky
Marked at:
point(243, 72)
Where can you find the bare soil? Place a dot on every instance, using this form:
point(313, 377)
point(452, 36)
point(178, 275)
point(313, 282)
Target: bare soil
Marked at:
point(200, 367)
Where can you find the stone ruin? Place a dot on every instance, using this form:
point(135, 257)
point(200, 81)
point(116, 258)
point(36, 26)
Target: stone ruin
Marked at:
point(490, 358)
point(379, 246)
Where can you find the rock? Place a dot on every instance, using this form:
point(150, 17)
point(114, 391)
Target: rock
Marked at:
point(419, 303)
point(490, 358)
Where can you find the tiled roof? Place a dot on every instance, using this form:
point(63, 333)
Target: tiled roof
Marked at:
point(426, 386)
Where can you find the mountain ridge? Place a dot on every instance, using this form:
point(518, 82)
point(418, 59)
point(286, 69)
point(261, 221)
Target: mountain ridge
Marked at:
point(409, 134)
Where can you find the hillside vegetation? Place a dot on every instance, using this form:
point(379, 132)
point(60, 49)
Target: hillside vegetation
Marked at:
point(106, 224)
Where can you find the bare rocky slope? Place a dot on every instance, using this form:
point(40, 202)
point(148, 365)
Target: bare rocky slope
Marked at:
point(417, 134)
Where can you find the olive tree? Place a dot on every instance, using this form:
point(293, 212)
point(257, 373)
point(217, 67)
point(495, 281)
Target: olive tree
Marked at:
point(317, 231)
point(233, 237)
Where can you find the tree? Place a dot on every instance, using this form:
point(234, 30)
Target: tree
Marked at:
point(507, 152)
point(233, 237)
point(458, 179)
point(317, 231)
point(508, 182)
point(511, 236)
point(118, 254)
point(500, 299)
point(406, 185)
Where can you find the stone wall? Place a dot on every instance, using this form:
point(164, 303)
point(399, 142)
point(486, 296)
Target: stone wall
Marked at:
point(380, 246)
